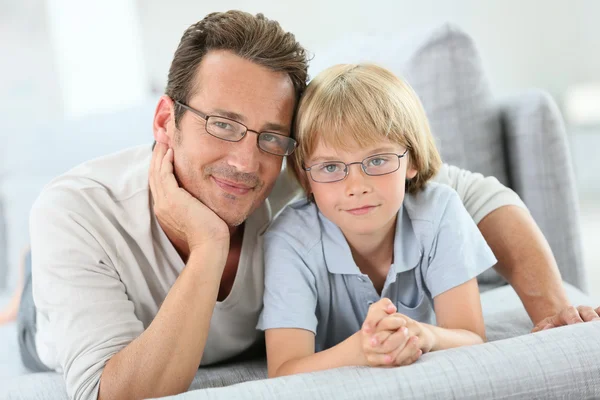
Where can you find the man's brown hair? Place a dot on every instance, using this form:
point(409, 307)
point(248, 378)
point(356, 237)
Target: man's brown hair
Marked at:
point(252, 37)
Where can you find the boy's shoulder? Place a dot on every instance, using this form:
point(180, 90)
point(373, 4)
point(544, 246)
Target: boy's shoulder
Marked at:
point(298, 223)
point(430, 203)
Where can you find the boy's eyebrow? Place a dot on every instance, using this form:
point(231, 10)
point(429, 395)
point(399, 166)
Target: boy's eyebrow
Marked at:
point(378, 150)
point(323, 158)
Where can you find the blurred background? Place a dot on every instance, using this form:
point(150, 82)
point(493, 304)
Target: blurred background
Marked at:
point(80, 79)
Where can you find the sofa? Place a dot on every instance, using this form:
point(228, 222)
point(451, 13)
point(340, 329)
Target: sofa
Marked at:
point(520, 140)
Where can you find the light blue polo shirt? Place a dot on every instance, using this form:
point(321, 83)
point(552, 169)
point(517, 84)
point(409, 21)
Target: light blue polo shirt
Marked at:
point(313, 283)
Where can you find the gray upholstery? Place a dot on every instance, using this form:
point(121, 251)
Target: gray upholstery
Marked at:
point(542, 173)
point(552, 364)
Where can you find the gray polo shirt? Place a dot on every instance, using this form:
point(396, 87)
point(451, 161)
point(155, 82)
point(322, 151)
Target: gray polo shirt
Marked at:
point(313, 283)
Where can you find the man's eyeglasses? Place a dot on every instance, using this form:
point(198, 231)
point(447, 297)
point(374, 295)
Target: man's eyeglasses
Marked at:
point(334, 171)
point(234, 131)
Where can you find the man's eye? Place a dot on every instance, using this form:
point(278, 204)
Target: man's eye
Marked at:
point(222, 125)
point(266, 137)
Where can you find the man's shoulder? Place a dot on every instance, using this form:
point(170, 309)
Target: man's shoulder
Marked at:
point(105, 180)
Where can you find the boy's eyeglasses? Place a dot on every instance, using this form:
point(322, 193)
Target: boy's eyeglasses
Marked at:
point(234, 131)
point(334, 171)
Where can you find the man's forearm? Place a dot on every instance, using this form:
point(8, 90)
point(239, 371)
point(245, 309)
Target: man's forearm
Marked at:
point(164, 359)
point(525, 260)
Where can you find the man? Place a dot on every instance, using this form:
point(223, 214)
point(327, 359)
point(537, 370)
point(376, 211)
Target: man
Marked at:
point(140, 277)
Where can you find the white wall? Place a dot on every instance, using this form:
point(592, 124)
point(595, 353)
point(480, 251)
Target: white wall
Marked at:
point(524, 43)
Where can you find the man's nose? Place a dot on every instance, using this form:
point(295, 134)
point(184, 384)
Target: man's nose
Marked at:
point(244, 155)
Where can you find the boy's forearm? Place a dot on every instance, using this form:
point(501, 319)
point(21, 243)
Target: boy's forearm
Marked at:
point(347, 353)
point(449, 338)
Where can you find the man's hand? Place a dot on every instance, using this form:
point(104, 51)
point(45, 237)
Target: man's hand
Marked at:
point(568, 316)
point(177, 210)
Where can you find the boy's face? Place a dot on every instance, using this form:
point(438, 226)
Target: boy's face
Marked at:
point(360, 204)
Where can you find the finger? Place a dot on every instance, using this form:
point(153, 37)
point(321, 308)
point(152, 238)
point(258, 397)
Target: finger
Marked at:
point(167, 179)
point(391, 323)
point(376, 339)
point(378, 311)
point(157, 156)
point(401, 352)
point(414, 358)
point(588, 314)
point(569, 316)
point(540, 325)
point(408, 352)
point(393, 342)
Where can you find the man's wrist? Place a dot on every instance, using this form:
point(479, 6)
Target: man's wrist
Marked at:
point(208, 256)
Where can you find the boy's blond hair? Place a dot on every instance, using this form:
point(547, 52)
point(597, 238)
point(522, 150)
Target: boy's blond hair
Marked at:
point(359, 104)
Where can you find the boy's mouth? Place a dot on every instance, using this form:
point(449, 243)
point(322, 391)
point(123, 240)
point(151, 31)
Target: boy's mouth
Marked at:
point(361, 210)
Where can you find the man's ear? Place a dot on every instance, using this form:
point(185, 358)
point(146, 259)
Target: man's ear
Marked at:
point(164, 121)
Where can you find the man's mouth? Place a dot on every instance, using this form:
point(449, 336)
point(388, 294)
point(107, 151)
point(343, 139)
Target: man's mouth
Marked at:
point(235, 188)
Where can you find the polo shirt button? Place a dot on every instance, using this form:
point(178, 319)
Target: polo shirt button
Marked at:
point(370, 302)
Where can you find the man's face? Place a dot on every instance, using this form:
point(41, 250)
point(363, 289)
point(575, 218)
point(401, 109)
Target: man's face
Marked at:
point(232, 178)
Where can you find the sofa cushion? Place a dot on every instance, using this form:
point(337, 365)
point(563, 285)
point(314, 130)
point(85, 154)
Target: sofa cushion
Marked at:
point(504, 318)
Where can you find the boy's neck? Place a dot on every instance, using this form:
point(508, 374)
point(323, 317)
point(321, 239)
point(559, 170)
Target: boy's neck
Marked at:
point(373, 254)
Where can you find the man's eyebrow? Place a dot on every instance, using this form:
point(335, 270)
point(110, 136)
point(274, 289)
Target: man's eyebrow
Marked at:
point(228, 114)
point(269, 126)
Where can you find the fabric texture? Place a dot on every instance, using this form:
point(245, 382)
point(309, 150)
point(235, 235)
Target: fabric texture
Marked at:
point(313, 283)
point(523, 367)
point(554, 364)
point(546, 183)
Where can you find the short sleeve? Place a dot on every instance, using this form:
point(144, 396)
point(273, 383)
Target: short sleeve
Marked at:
point(459, 252)
point(480, 195)
point(290, 296)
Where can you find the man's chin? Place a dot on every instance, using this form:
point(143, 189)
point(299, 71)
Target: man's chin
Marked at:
point(233, 219)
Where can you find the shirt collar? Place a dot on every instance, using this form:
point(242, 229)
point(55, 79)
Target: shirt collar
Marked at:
point(338, 256)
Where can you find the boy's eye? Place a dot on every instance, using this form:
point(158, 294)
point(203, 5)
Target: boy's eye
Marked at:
point(377, 162)
point(330, 168)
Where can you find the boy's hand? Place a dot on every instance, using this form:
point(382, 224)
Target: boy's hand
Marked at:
point(407, 343)
point(370, 338)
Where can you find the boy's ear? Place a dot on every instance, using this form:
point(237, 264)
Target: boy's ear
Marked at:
point(411, 173)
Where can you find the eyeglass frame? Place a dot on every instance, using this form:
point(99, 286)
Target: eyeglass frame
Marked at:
point(206, 117)
point(347, 166)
